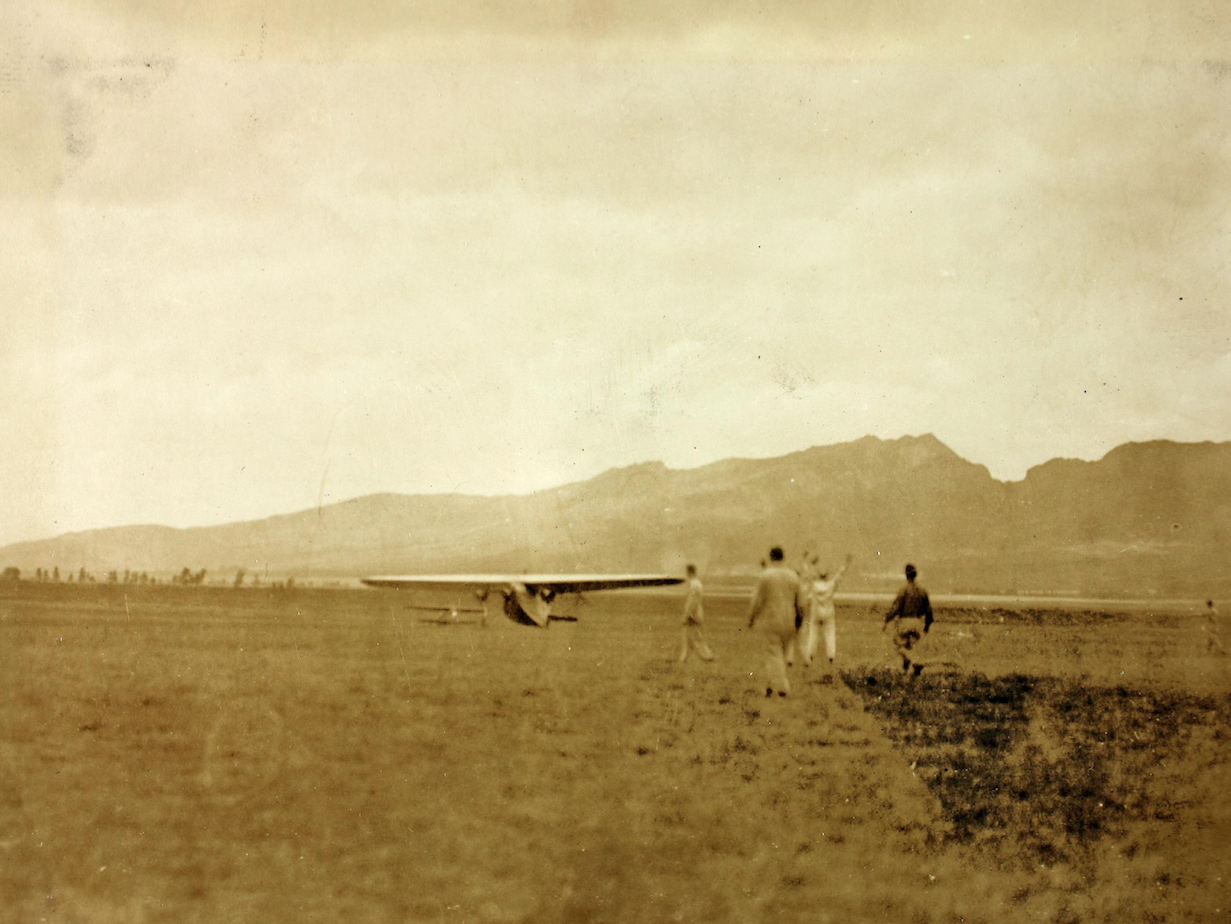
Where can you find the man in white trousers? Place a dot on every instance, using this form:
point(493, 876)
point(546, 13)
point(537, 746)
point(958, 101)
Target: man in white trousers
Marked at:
point(822, 618)
point(779, 604)
point(694, 620)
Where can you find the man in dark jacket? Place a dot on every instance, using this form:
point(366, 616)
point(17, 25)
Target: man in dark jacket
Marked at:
point(911, 615)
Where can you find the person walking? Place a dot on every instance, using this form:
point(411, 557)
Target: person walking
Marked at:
point(822, 616)
point(1213, 630)
point(694, 620)
point(911, 615)
point(779, 605)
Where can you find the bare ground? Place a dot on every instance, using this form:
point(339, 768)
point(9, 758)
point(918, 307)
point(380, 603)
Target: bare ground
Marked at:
point(202, 755)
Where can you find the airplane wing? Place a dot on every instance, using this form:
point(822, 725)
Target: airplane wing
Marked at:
point(527, 597)
point(556, 583)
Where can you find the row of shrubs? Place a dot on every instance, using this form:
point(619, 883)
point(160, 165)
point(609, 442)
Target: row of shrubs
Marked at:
point(187, 577)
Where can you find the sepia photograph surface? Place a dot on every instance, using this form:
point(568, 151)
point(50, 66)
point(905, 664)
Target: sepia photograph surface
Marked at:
point(615, 462)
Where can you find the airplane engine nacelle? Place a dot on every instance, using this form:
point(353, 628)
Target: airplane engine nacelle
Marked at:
point(527, 605)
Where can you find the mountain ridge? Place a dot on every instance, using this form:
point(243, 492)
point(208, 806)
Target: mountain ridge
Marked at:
point(1152, 517)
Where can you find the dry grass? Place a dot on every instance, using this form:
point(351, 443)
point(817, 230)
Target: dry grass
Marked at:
point(209, 755)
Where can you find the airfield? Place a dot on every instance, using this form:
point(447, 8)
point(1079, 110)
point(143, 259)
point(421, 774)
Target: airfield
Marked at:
point(208, 754)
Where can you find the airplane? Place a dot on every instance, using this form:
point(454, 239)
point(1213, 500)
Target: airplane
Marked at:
point(527, 597)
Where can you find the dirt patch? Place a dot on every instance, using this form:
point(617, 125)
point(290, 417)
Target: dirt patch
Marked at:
point(1042, 768)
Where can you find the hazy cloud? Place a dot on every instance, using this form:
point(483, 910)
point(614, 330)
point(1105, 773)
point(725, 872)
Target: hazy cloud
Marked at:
point(266, 256)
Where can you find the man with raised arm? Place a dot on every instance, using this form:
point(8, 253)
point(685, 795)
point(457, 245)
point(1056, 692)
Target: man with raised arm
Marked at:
point(779, 605)
point(911, 615)
point(822, 617)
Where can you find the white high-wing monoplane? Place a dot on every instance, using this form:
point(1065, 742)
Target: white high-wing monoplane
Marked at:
point(527, 597)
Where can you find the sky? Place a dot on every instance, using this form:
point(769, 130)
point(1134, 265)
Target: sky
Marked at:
point(264, 256)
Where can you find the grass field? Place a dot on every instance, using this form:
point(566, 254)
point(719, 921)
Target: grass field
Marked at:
point(204, 755)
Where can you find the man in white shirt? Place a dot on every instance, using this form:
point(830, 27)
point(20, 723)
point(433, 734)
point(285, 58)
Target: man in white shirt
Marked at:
point(779, 604)
point(822, 618)
point(694, 620)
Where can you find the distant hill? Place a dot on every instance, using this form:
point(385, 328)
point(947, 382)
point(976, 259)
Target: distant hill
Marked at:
point(1148, 518)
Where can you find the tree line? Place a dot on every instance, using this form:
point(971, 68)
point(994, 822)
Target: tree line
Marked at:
point(186, 577)
point(82, 576)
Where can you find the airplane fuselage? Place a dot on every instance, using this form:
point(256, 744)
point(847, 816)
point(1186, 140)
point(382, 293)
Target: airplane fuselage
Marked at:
point(526, 598)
